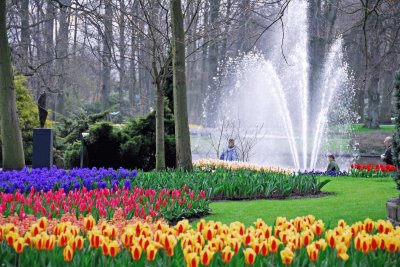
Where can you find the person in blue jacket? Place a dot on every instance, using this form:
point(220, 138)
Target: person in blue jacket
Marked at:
point(230, 154)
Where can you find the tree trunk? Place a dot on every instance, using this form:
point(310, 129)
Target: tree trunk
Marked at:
point(122, 51)
point(159, 107)
point(372, 120)
point(62, 54)
point(106, 55)
point(12, 148)
point(25, 37)
point(385, 82)
point(49, 54)
point(182, 135)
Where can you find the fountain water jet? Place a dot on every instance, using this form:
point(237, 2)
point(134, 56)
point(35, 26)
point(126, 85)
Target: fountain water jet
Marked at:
point(262, 89)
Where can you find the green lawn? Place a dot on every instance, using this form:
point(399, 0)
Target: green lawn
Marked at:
point(384, 128)
point(355, 199)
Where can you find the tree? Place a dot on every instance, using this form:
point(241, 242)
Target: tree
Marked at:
point(12, 149)
point(182, 136)
point(396, 135)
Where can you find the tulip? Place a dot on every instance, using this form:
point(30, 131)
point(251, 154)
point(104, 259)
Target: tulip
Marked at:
point(330, 237)
point(200, 225)
point(206, 255)
point(227, 254)
point(306, 237)
point(375, 241)
point(287, 256)
point(366, 244)
point(151, 252)
point(391, 243)
point(11, 237)
point(264, 248)
point(318, 227)
point(249, 256)
point(273, 244)
point(342, 251)
point(62, 240)
point(88, 222)
point(136, 251)
point(368, 225)
point(113, 248)
point(19, 245)
point(192, 260)
point(312, 252)
point(182, 226)
point(35, 229)
point(68, 253)
point(42, 222)
point(79, 242)
point(169, 242)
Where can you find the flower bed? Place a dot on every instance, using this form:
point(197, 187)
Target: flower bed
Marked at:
point(223, 184)
point(171, 205)
point(212, 164)
point(370, 170)
point(301, 241)
point(218, 184)
point(54, 178)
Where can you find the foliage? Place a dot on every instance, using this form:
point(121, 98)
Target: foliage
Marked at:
point(299, 242)
point(241, 184)
point(27, 115)
point(72, 155)
point(396, 135)
point(138, 148)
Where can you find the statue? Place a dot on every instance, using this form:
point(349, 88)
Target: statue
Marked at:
point(42, 109)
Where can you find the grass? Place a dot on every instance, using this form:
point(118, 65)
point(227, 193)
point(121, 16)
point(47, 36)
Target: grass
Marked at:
point(354, 199)
point(358, 128)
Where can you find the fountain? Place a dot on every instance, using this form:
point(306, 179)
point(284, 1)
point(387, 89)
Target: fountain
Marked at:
point(263, 90)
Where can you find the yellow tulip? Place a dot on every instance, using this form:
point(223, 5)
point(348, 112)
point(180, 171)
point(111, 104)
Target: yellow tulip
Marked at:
point(19, 245)
point(42, 222)
point(151, 252)
point(287, 256)
point(88, 222)
point(192, 260)
point(11, 237)
point(68, 253)
point(206, 256)
point(227, 254)
point(341, 249)
point(312, 252)
point(136, 251)
point(273, 244)
point(249, 256)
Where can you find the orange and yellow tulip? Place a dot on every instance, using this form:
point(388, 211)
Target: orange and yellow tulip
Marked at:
point(68, 253)
point(206, 255)
point(88, 222)
point(19, 245)
point(249, 256)
point(312, 252)
point(227, 254)
point(136, 251)
point(151, 252)
point(287, 256)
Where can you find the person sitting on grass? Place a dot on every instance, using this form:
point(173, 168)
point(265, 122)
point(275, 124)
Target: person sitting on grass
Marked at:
point(387, 157)
point(333, 166)
point(230, 154)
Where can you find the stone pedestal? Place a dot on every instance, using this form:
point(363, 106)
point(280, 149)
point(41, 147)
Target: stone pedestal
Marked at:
point(393, 210)
point(42, 148)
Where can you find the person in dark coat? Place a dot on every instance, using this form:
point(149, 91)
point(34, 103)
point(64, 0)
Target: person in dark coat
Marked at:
point(387, 157)
point(230, 154)
point(333, 166)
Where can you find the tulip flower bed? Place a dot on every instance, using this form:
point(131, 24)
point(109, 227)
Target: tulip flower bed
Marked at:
point(212, 164)
point(171, 205)
point(223, 184)
point(218, 184)
point(370, 170)
point(301, 241)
